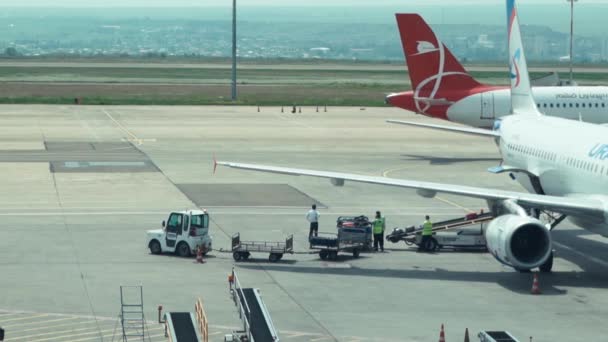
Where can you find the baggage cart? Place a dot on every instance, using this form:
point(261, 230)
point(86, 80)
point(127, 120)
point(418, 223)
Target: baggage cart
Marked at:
point(241, 250)
point(329, 244)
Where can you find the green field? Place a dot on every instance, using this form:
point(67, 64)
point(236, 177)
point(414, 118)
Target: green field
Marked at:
point(282, 83)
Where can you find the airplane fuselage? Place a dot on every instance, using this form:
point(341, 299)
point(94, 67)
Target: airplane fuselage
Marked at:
point(568, 159)
point(482, 107)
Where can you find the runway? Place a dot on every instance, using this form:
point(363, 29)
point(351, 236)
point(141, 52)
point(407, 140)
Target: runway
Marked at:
point(72, 234)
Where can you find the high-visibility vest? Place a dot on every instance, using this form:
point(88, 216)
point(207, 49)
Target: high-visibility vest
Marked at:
point(427, 228)
point(379, 225)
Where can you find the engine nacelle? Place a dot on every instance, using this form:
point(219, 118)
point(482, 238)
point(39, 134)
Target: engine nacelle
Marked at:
point(522, 242)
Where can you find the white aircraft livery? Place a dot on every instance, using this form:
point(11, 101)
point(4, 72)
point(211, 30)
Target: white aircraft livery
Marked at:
point(562, 163)
point(443, 89)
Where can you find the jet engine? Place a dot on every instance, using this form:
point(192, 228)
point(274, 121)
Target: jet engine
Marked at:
point(519, 241)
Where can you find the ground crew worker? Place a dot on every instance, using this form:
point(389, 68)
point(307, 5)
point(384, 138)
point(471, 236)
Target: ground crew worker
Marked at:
point(379, 226)
point(313, 217)
point(427, 233)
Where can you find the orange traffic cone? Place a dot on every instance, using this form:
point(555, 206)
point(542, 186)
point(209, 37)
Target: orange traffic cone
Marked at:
point(442, 335)
point(199, 255)
point(466, 335)
point(535, 286)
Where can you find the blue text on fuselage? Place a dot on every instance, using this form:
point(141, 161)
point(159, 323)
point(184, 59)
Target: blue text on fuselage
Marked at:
point(599, 151)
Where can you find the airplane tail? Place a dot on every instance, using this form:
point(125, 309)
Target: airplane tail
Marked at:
point(433, 69)
point(522, 101)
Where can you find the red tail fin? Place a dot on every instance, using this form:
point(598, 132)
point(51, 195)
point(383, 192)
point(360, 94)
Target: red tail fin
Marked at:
point(434, 71)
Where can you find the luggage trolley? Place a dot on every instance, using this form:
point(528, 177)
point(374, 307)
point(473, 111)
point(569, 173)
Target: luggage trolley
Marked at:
point(329, 245)
point(241, 250)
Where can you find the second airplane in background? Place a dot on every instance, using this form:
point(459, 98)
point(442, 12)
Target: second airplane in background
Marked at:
point(442, 88)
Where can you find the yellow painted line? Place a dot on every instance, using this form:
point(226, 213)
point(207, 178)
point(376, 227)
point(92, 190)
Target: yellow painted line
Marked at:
point(22, 318)
point(386, 172)
point(62, 337)
point(56, 325)
point(454, 204)
point(120, 126)
point(39, 322)
point(132, 136)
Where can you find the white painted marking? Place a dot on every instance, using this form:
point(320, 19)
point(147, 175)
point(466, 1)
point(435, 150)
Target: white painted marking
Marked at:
point(63, 337)
point(334, 265)
point(588, 257)
point(22, 318)
point(38, 322)
point(42, 327)
point(58, 332)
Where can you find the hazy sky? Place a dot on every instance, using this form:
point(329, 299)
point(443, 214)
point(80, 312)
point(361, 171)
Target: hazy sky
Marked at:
point(179, 3)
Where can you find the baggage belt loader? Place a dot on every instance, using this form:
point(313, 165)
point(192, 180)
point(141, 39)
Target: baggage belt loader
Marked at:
point(454, 233)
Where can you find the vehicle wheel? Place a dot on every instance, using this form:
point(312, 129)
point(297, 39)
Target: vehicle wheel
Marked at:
point(408, 242)
point(333, 255)
point(183, 250)
point(323, 255)
point(355, 253)
point(280, 256)
point(431, 245)
point(155, 247)
point(237, 256)
point(245, 256)
point(273, 257)
point(548, 265)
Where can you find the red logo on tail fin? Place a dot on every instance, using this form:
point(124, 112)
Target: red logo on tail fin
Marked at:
point(438, 79)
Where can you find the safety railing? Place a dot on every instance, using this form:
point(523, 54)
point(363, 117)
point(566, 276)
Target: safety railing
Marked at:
point(201, 320)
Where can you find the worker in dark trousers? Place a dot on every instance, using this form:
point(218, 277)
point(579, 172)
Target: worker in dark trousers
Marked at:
point(427, 234)
point(378, 227)
point(312, 216)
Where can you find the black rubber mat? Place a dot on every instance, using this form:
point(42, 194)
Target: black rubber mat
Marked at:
point(247, 195)
point(184, 330)
point(259, 328)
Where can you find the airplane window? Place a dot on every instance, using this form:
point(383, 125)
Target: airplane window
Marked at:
point(602, 105)
point(590, 105)
point(596, 105)
point(557, 105)
point(571, 105)
point(551, 105)
point(564, 105)
point(577, 105)
point(545, 105)
point(583, 105)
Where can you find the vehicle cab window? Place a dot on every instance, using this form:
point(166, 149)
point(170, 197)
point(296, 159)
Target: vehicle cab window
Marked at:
point(186, 222)
point(174, 225)
point(199, 223)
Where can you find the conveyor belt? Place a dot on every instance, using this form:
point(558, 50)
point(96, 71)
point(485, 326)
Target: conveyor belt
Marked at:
point(182, 327)
point(257, 321)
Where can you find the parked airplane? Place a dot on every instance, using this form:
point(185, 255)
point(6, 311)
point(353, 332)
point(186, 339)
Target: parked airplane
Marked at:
point(442, 88)
point(562, 162)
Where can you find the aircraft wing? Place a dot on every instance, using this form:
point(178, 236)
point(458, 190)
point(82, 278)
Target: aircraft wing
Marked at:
point(566, 205)
point(456, 129)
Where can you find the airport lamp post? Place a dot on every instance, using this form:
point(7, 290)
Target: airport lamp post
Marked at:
point(571, 34)
point(233, 50)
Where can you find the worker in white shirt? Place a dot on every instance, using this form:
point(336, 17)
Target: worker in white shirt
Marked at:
point(312, 216)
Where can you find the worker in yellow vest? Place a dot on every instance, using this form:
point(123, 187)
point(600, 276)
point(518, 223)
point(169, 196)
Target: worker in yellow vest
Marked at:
point(378, 227)
point(427, 233)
